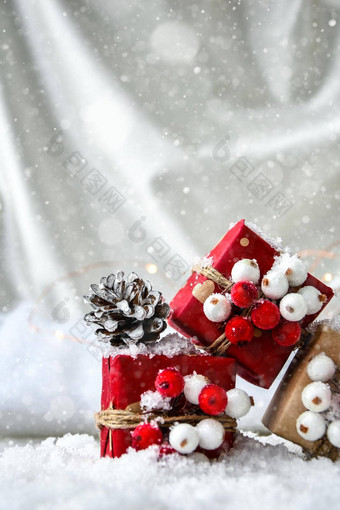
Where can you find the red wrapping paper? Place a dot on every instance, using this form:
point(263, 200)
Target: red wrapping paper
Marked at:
point(126, 378)
point(262, 359)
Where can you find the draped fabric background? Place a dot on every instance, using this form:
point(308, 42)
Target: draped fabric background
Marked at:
point(132, 134)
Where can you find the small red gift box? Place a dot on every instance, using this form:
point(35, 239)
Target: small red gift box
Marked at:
point(126, 378)
point(261, 360)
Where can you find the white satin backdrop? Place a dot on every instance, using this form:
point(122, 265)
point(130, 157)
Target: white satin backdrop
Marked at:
point(160, 104)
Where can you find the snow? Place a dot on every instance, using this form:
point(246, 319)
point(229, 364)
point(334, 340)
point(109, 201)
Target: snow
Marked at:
point(274, 242)
point(203, 262)
point(153, 400)
point(282, 261)
point(258, 473)
point(169, 345)
point(333, 323)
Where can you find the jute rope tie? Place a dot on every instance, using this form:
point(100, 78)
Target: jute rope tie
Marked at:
point(221, 344)
point(124, 419)
point(323, 448)
point(214, 275)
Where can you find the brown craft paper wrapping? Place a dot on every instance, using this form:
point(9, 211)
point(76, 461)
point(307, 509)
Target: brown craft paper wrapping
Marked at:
point(286, 405)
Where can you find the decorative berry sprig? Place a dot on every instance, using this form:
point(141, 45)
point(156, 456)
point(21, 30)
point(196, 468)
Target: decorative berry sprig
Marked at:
point(274, 304)
point(196, 397)
point(321, 398)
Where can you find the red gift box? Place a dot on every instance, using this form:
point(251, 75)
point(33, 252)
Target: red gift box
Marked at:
point(262, 359)
point(126, 378)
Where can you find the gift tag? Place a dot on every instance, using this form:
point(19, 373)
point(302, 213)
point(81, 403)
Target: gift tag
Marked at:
point(203, 290)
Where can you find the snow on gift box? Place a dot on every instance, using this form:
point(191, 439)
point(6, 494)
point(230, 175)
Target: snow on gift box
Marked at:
point(165, 392)
point(306, 406)
point(249, 300)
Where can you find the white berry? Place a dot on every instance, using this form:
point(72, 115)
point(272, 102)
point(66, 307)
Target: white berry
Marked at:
point(293, 307)
point(294, 269)
point(210, 433)
point(274, 285)
point(321, 368)
point(313, 298)
point(316, 396)
point(246, 270)
point(333, 433)
point(217, 308)
point(239, 403)
point(193, 385)
point(183, 438)
point(310, 426)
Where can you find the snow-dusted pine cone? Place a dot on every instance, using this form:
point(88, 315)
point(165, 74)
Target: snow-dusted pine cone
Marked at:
point(127, 310)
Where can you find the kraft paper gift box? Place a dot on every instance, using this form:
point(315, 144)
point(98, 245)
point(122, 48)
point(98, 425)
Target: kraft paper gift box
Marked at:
point(286, 404)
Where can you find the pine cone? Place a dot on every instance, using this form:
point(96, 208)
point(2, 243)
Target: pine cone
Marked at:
point(127, 310)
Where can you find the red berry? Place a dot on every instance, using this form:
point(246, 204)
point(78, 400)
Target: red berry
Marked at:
point(243, 294)
point(287, 333)
point(169, 382)
point(166, 449)
point(239, 330)
point(145, 435)
point(213, 399)
point(265, 314)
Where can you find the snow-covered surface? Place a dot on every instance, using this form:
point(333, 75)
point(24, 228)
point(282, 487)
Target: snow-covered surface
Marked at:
point(170, 345)
point(259, 473)
point(203, 262)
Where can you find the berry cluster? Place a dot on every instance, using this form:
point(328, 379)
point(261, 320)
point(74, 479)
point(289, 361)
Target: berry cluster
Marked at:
point(279, 310)
point(322, 404)
point(193, 394)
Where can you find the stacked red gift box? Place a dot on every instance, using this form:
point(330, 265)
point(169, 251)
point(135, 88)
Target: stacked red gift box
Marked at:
point(246, 306)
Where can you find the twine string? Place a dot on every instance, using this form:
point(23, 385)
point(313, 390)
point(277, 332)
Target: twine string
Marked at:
point(214, 275)
point(323, 448)
point(115, 419)
point(221, 344)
